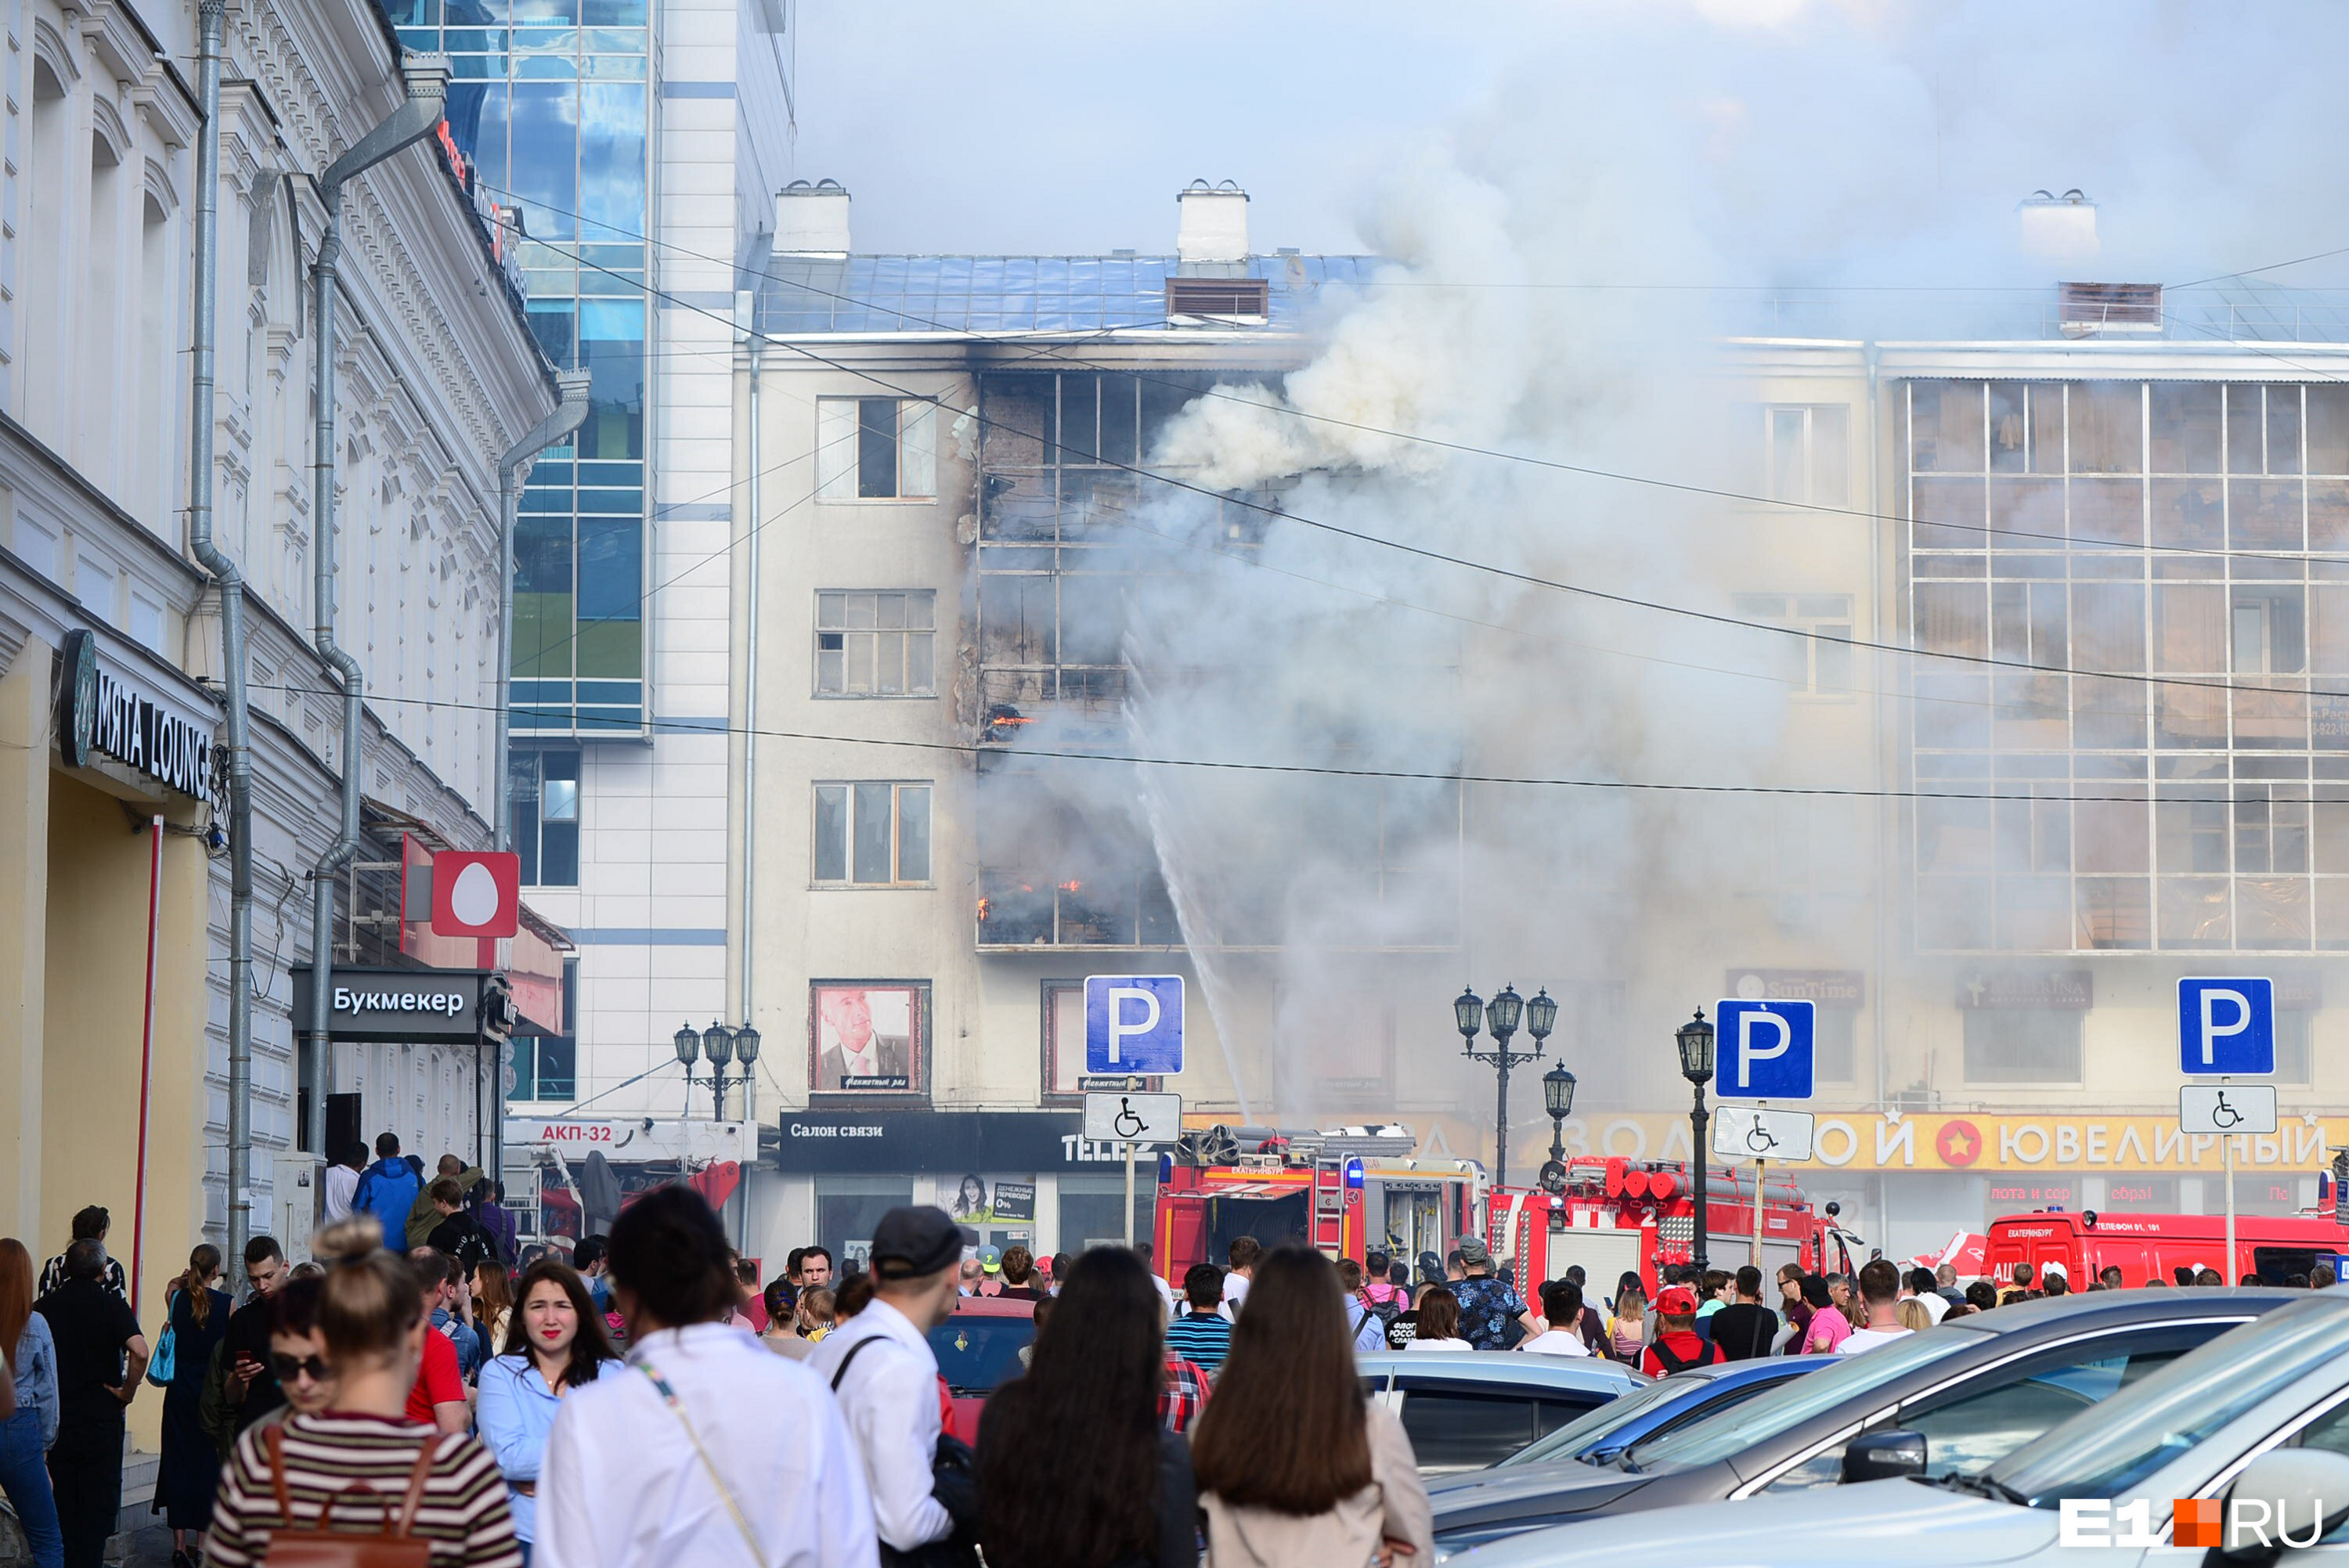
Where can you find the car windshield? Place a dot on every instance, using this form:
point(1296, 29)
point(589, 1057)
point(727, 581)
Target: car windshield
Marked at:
point(2102, 1453)
point(1581, 1432)
point(976, 1354)
point(1739, 1426)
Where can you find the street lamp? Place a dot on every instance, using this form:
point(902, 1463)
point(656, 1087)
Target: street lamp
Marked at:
point(717, 1045)
point(1694, 1039)
point(1558, 1096)
point(1502, 1016)
point(745, 1051)
point(688, 1050)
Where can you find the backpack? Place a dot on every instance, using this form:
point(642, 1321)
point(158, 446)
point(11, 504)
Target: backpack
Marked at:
point(1386, 1311)
point(1673, 1363)
point(388, 1198)
point(474, 1248)
point(326, 1547)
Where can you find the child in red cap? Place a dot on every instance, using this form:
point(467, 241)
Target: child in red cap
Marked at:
point(1677, 1346)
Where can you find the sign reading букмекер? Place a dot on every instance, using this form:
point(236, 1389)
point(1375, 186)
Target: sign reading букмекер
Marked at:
point(401, 1006)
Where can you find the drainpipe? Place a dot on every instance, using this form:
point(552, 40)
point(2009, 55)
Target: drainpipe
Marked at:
point(428, 90)
point(513, 469)
point(211, 17)
point(750, 762)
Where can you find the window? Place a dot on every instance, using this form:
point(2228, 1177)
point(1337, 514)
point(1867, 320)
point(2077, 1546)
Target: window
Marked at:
point(1245, 298)
point(547, 1070)
point(1817, 664)
point(875, 448)
point(1810, 455)
point(872, 834)
point(543, 796)
point(876, 645)
point(2022, 1045)
point(1461, 1428)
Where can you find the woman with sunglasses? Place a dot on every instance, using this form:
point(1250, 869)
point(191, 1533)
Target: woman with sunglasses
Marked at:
point(297, 1351)
point(553, 1343)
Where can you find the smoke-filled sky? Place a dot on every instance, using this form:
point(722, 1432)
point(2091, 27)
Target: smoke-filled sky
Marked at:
point(1867, 132)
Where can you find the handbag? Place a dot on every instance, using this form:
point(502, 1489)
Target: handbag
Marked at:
point(167, 1346)
point(954, 1481)
point(326, 1547)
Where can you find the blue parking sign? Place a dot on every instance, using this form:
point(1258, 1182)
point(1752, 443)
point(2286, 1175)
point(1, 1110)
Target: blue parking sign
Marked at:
point(2226, 1028)
point(1134, 1023)
point(1764, 1050)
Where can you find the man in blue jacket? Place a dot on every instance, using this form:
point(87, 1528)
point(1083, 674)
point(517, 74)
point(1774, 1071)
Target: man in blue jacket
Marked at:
point(387, 1191)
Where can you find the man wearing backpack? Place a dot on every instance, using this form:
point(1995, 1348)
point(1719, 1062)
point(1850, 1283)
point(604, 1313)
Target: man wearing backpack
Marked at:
point(387, 1191)
point(1370, 1329)
point(1676, 1346)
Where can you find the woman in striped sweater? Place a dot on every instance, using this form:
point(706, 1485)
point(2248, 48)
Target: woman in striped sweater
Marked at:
point(370, 1314)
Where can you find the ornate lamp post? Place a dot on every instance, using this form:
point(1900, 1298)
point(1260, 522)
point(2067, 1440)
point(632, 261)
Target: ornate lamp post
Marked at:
point(1694, 1039)
point(1558, 1098)
point(717, 1045)
point(687, 1041)
point(1502, 1017)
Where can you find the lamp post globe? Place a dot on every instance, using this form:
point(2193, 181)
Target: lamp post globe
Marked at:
point(1502, 1014)
point(1558, 1098)
point(688, 1048)
point(1468, 1014)
point(1694, 1041)
point(1541, 1017)
point(718, 1043)
point(746, 1045)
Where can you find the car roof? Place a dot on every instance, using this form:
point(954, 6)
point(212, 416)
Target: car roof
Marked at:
point(2120, 1307)
point(993, 1306)
point(1758, 1368)
point(1581, 1372)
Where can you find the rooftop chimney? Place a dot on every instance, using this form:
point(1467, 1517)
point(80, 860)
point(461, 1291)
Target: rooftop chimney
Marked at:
point(2058, 228)
point(1214, 224)
point(811, 220)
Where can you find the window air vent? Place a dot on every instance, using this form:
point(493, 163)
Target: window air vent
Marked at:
point(2084, 309)
point(1224, 297)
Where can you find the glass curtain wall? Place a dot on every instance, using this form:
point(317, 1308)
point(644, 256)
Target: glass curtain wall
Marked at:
point(551, 105)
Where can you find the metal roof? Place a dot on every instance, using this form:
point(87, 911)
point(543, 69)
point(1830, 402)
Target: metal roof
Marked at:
point(879, 294)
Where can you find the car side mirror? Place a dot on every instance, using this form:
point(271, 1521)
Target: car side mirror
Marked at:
point(1880, 1456)
point(2286, 1497)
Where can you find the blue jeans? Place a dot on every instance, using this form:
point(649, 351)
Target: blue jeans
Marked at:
point(24, 1477)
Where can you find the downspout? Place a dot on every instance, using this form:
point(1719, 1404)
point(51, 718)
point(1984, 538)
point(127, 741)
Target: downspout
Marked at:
point(513, 469)
point(427, 90)
point(211, 17)
point(750, 761)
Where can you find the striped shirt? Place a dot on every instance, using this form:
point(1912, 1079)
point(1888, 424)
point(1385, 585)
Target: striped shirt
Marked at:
point(462, 1514)
point(1202, 1336)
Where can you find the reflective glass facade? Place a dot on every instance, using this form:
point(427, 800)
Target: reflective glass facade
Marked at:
point(551, 103)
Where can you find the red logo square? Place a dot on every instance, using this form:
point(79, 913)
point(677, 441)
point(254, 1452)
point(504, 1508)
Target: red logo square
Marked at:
point(476, 892)
point(2196, 1521)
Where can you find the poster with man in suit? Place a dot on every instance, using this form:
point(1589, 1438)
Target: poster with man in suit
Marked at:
point(864, 1038)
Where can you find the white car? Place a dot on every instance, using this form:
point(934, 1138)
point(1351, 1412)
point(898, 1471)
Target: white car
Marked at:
point(2257, 1419)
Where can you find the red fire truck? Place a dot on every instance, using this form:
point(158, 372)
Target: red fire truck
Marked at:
point(1344, 1192)
point(1620, 1216)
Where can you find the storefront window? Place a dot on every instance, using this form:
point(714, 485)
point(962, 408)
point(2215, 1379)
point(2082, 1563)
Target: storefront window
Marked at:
point(848, 1207)
point(1091, 1208)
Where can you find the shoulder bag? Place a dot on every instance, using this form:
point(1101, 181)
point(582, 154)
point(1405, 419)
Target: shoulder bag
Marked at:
point(167, 1346)
point(393, 1546)
point(954, 1481)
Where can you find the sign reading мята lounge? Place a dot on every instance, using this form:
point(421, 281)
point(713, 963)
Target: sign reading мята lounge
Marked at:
point(99, 710)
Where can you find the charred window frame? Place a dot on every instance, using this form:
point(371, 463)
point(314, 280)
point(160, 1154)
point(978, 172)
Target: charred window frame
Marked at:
point(878, 643)
point(876, 448)
point(872, 833)
point(2132, 527)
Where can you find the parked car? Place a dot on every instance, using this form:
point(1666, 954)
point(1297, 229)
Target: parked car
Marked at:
point(979, 1351)
point(1464, 1409)
point(1980, 1387)
point(1665, 1405)
point(2260, 1414)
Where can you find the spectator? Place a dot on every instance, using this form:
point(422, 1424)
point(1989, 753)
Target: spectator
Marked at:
point(1439, 1322)
point(1368, 1329)
point(1677, 1345)
point(1982, 1295)
point(2110, 1278)
point(2021, 1289)
point(494, 1305)
point(424, 1215)
point(556, 1345)
point(240, 1388)
point(389, 1189)
point(2322, 1277)
point(1019, 1280)
point(1912, 1313)
point(1717, 1294)
point(1075, 1452)
point(1202, 1333)
point(1562, 1308)
point(26, 1436)
point(1828, 1329)
point(89, 1224)
point(1158, 1286)
point(968, 1277)
point(2055, 1282)
point(436, 1385)
point(587, 1261)
point(1945, 1285)
point(1918, 1286)
point(1242, 1255)
point(750, 1309)
point(1745, 1329)
point(297, 1351)
point(2184, 1274)
point(368, 1312)
point(1348, 1495)
point(1627, 1325)
point(189, 1471)
point(1879, 1287)
point(1493, 1315)
point(342, 1184)
point(2208, 1278)
point(101, 1357)
point(498, 1220)
point(454, 1233)
point(882, 1370)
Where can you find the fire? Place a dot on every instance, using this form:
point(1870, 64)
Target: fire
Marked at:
point(1072, 885)
point(984, 904)
point(1011, 720)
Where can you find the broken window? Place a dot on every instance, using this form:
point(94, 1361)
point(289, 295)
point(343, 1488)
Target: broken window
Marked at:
point(876, 448)
point(875, 644)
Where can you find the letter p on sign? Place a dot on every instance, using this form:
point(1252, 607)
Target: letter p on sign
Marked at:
point(1134, 1023)
point(2226, 1028)
point(1766, 1050)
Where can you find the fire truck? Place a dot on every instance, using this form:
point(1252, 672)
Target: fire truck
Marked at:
point(1619, 1216)
point(1344, 1192)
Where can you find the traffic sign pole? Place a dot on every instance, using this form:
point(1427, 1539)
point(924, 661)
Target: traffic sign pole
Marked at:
point(1758, 1174)
point(1131, 1084)
point(2227, 1275)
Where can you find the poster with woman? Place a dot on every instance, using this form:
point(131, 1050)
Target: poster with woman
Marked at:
point(970, 1203)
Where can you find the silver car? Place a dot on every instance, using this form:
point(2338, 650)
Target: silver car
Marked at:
point(2256, 1421)
point(1464, 1409)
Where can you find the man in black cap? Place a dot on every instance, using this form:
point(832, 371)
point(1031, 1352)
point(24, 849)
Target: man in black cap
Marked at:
point(880, 1364)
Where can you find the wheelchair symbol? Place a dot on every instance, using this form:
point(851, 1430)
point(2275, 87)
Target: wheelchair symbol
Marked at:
point(1759, 1138)
point(2225, 1115)
point(1128, 1125)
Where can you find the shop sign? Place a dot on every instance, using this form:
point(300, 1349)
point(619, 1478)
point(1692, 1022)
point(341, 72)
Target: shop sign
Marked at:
point(1843, 989)
point(2071, 990)
point(2019, 1142)
point(895, 1142)
point(400, 1007)
point(633, 1139)
point(100, 710)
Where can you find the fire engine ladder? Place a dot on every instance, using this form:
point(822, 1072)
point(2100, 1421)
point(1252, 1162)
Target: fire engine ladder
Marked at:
point(1329, 1216)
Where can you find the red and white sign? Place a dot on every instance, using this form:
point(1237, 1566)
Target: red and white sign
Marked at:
point(476, 892)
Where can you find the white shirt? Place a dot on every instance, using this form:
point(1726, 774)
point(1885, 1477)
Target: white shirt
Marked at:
point(1166, 1297)
point(342, 1184)
point(890, 1399)
point(1439, 1344)
point(1556, 1341)
point(1935, 1305)
point(866, 1063)
point(1860, 1339)
point(622, 1487)
point(1235, 1292)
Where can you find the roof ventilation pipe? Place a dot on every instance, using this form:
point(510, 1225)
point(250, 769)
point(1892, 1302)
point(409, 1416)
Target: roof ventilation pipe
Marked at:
point(1212, 224)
